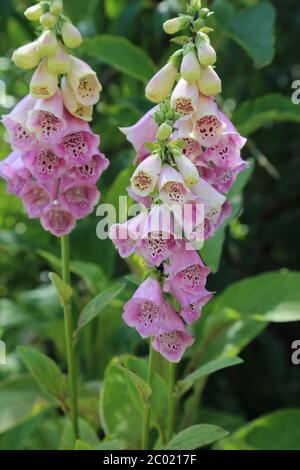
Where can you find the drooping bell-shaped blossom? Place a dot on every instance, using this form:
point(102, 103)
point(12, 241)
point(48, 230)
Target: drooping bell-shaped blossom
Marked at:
point(90, 172)
point(145, 311)
point(158, 239)
point(47, 119)
point(77, 198)
point(84, 82)
point(38, 198)
point(187, 170)
point(126, 237)
point(72, 104)
point(13, 171)
point(191, 310)
point(172, 339)
point(143, 131)
point(15, 122)
point(145, 177)
point(190, 68)
point(185, 98)
point(44, 83)
point(187, 272)
point(71, 35)
point(27, 57)
point(208, 124)
point(205, 51)
point(172, 189)
point(44, 163)
point(190, 220)
point(58, 221)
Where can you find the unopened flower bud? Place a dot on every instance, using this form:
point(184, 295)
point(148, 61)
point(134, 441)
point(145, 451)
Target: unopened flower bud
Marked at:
point(59, 62)
point(190, 68)
point(209, 82)
point(71, 35)
point(161, 85)
point(34, 13)
point(47, 43)
point(56, 7)
point(206, 53)
point(48, 20)
point(175, 25)
point(44, 83)
point(187, 170)
point(27, 57)
point(164, 132)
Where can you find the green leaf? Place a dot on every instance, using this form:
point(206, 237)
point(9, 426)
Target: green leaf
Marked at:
point(121, 404)
point(120, 54)
point(272, 297)
point(196, 436)
point(141, 386)
point(253, 114)
point(205, 370)
point(45, 372)
point(90, 273)
point(20, 401)
point(98, 303)
point(252, 28)
point(63, 290)
point(80, 445)
point(87, 434)
point(278, 430)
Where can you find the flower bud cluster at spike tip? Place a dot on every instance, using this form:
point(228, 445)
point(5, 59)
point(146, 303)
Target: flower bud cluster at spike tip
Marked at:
point(188, 155)
point(56, 160)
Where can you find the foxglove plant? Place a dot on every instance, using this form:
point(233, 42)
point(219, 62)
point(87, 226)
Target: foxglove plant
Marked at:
point(188, 155)
point(55, 161)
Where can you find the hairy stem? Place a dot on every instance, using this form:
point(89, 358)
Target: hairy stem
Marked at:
point(171, 400)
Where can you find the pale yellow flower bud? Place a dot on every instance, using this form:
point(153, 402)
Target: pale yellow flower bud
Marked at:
point(161, 85)
point(34, 13)
point(27, 57)
point(48, 20)
point(59, 62)
point(56, 7)
point(209, 82)
point(71, 35)
point(47, 43)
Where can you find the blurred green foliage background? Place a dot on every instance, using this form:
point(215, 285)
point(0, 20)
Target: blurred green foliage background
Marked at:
point(257, 79)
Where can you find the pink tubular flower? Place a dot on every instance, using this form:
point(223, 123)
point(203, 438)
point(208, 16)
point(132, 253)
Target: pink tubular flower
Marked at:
point(126, 237)
point(143, 131)
point(90, 172)
point(77, 198)
point(15, 122)
point(43, 163)
point(208, 126)
point(38, 198)
point(158, 239)
point(58, 221)
point(12, 169)
point(171, 186)
point(47, 120)
point(185, 98)
point(172, 339)
point(144, 311)
point(78, 148)
point(187, 272)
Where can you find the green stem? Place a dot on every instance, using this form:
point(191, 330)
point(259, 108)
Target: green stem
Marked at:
point(171, 400)
point(147, 406)
point(72, 380)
